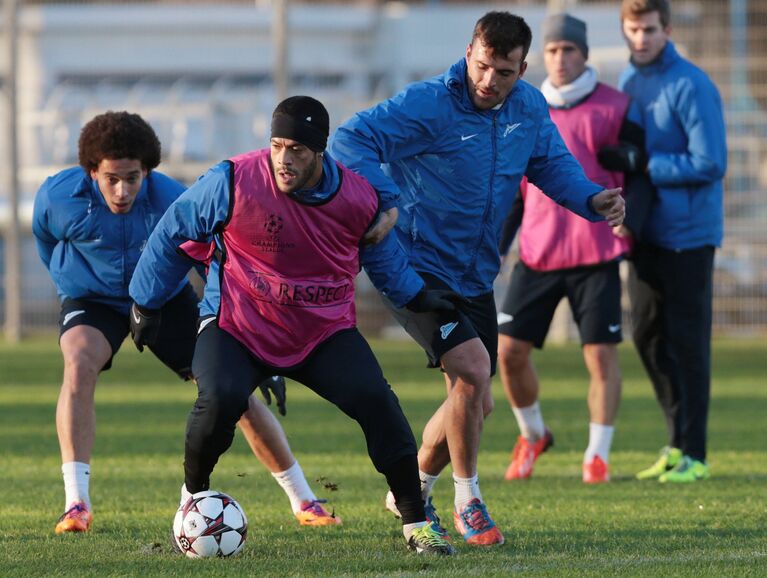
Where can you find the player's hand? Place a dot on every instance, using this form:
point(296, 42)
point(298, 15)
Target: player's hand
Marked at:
point(623, 232)
point(624, 158)
point(276, 383)
point(434, 300)
point(381, 227)
point(144, 326)
point(610, 204)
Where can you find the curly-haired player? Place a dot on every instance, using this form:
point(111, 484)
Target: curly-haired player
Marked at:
point(91, 223)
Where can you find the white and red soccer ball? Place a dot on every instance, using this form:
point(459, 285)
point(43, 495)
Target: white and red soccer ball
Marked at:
point(209, 524)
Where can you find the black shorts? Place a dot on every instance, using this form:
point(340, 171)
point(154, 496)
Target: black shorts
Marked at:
point(594, 294)
point(176, 339)
point(440, 332)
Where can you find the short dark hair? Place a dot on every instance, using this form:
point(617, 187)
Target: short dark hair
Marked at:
point(503, 32)
point(118, 135)
point(634, 8)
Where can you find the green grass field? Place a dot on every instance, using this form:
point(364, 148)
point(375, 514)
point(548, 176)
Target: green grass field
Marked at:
point(554, 524)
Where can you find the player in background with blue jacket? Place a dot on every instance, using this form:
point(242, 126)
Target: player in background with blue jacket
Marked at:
point(450, 153)
point(91, 223)
point(671, 289)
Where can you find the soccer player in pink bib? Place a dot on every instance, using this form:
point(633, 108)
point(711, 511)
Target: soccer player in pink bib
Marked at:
point(284, 228)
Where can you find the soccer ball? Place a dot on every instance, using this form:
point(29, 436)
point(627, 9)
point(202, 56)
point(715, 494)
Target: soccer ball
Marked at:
point(210, 524)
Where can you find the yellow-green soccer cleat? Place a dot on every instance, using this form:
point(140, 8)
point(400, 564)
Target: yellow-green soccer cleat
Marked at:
point(428, 508)
point(686, 471)
point(429, 540)
point(668, 459)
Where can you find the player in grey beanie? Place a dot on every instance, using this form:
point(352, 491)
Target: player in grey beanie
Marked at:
point(565, 27)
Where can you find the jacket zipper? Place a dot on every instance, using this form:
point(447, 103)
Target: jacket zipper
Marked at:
point(472, 266)
point(126, 281)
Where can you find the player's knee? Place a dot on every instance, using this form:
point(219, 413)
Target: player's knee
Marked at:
point(512, 356)
point(475, 378)
point(642, 334)
point(80, 370)
point(381, 398)
point(473, 393)
point(223, 404)
point(376, 408)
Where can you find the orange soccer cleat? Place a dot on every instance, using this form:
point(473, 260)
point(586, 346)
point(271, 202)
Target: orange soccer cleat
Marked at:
point(313, 514)
point(525, 453)
point(76, 519)
point(596, 471)
point(476, 526)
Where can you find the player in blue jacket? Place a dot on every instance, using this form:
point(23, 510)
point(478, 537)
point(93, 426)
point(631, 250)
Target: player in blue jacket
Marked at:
point(450, 152)
point(671, 286)
point(91, 223)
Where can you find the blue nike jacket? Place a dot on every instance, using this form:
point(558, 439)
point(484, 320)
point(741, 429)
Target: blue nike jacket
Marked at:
point(681, 112)
point(89, 251)
point(453, 171)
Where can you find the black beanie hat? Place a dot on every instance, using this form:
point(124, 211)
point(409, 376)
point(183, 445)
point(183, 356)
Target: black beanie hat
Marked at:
point(303, 119)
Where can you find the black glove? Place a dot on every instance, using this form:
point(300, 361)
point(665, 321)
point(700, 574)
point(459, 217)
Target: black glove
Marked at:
point(144, 326)
point(434, 300)
point(624, 158)
point(277, 385)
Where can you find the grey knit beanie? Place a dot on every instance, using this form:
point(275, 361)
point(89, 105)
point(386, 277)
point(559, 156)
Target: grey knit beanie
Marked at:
point(562, 26)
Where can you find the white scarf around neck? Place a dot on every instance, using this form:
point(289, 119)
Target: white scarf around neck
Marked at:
point(571, 93)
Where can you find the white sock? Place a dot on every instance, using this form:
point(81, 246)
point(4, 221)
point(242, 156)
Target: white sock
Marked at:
point(600, 440)
point(294, 483)
point(77, 476)
point(530, 421)
point(407, 529)
point(427, 483)
point(185, 495)
point(466, 489)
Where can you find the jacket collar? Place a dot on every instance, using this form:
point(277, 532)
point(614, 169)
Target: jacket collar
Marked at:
point(89, 186)
point(84, 185)
point(326, 187)
point(667, 57)
point(455, 81)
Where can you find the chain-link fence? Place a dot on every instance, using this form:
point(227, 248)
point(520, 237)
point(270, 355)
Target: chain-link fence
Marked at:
point(203, 75)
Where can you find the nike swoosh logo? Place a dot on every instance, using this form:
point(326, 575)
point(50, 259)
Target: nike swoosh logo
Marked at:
point(614, 328)
point(69, 316)
point(463, 138)
point(504, 318)
point(136, 318)
point(204, 323)
point(447, 329)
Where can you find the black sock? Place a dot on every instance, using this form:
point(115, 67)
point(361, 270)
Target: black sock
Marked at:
point(403, 480)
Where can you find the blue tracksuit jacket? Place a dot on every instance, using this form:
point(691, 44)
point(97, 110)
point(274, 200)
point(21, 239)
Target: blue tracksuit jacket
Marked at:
point(453, 171)
point(89, 251)
point(681, 112)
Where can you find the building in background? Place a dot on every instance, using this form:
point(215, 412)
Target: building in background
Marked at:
point(202, 75)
